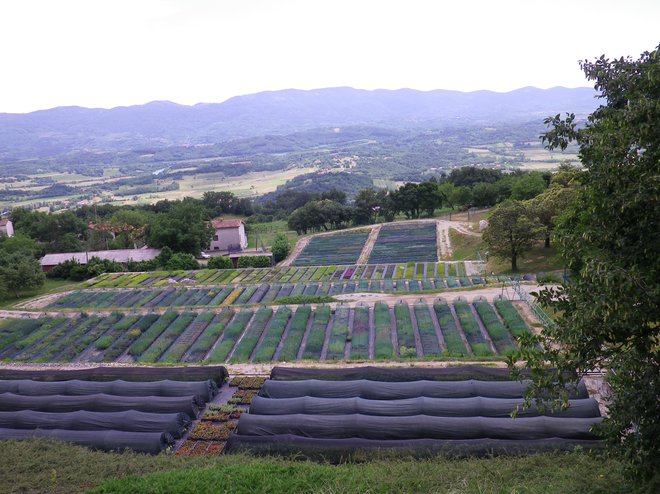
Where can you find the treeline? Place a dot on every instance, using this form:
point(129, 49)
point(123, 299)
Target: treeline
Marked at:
point(461, 189)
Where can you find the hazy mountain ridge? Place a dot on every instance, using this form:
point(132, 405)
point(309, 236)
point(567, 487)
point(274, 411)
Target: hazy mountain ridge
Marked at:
point(161, 123)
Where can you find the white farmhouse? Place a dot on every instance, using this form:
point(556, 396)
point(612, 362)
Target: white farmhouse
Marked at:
point(6, 228)
point(229, 236)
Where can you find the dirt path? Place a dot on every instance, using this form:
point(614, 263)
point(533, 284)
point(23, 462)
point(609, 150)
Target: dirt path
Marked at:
point(443, 239)
point(297, 249)
point(369, 245)
point(489, 294)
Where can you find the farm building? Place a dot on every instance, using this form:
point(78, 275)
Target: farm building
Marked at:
point(123, 256)
point(229, 235)
point(7, 228)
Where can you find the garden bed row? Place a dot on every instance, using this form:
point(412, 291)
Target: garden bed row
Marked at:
point(406, 242)
point(229, 295)
point(340, 248)
point(270, 334)
point(344, 272)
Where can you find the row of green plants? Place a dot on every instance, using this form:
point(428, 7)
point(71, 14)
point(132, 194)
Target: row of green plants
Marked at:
point(387, 270)
point(247, 294)
point(269, 334)
point(404, 243)
point(340, 248)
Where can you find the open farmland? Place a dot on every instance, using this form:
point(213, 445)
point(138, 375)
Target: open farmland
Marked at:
point(251, 276)
point(342, 248)
point(268, 334)
point(405, 242)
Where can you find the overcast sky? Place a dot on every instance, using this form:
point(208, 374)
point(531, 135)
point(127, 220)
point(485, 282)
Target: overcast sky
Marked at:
point(105, 53)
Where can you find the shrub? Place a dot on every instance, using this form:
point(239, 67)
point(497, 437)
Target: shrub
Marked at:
point(281, 247)
point(182, 260)
point(254, 262)
point(220, 262)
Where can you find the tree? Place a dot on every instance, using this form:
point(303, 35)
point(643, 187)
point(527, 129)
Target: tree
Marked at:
point(528, 186)
point(369, 204)
point(484, 195)
point(511, 231)
point(609, 309)
point(19, 271)
point(548, 205)
point(183, 228)
point(281, 247)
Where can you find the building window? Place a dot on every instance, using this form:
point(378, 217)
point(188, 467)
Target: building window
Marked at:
point(215, 237)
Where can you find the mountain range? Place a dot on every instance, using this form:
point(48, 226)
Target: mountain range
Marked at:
point(162, 124)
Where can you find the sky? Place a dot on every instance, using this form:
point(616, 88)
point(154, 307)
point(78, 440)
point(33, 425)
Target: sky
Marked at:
point(107, 53)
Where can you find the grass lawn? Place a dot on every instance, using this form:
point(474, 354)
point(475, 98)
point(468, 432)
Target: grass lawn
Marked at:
point(465, 247)
point(42, 466)
point(50, 286)
point(265, 233)
point(537, 260)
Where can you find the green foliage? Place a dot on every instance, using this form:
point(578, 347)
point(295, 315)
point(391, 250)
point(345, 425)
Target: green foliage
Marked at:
point(182, 261)
point(254, 262)
point(609, 309)
point(281, 247)
point(74, 469)
point(18, 272)
point(184, 228)
point(220, 262)
point(512, 231)
point(528, 186)
point(304, 299)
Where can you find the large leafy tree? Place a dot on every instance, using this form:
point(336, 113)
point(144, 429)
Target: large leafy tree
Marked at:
point(184, 228)
point(610, 308)
point(512, 230)
point(19, 271)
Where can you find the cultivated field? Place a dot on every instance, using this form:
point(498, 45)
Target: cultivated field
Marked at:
point(264, 334)
point(405, 242)
point(294, 274)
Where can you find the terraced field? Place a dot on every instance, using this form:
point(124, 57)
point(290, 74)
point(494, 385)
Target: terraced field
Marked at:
point(340, 248)
point(405, 242)
point(268, 334)
point(223, 296)
point(344, 272)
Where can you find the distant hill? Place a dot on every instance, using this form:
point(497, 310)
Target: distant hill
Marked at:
point(161, 124)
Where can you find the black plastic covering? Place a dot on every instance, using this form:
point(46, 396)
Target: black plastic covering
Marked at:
point(108, 440)
point(206, 389)
point(393, 374)
point(375, 390)
point(416, 427)
point(131, 421)
point(217, 373)
point(334, 414)
point(440, 407)
point(338, 450)
point(101, 402)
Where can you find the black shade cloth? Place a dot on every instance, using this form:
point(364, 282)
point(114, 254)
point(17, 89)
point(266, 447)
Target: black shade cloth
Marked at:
point(338, 450)
point(416, 427)
point(447, 407)
point(393, 374)
point(376, 390)
point(188, 373)
point(131, 421)
point(206, 389)
point(101, 402)
point(109, 440)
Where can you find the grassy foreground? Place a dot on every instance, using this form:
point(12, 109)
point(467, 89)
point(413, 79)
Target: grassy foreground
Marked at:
point(42, 466)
